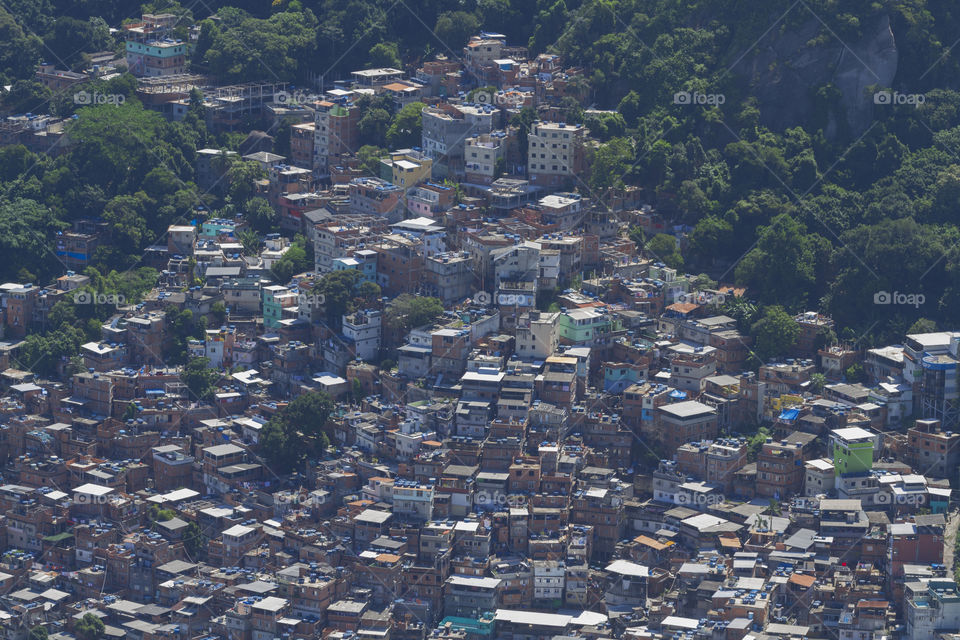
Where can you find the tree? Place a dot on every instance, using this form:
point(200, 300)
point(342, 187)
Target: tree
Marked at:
point(784, 264)
point(71, 37)
point(182, 325)
point(27, 230)
point(922, 325)
point(663, 247)
point(199, 377)
point(160, 183)
point(241, 179)
point(278, 447)
point(710, 238)
point(15, 160)
point(548, 26)
point(357, 390)
point(309, 412)
point(372, 127)
point(118, 145)
point(19, 48)
point(817, 382)
point(454, 29)
point(297, 431)
point(339, 289)
point(193, 539)
point(630, 108)
point(43, 353)
point(506, 17)
point(250, 240)
point(75, 366)
point(158, 514)
point(369, 158)
point(604, 125)
point(207, 36)
point(370, 292)
point(219, 311)
point(38, 632)
point(405, 130)
point(127, 217)
point(90, 627)
point(459, 193)
point(243, 48)
point(611, 161)
point(890, 256)
point(294, 261)
point(522, 120)
point(408, 312)
point(825, 338)
point(27, 96)
point(130, 412)
point(384, 55)
point(702, 281)
point(756, 440)
point(775, 333)
point(261, 215)
point(855, 373)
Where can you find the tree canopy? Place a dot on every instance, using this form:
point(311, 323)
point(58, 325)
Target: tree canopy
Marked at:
point(199, 377)
point(297, 431)
point(805, 192)
point(775, 333)
point(89, 627)
point(407, 311)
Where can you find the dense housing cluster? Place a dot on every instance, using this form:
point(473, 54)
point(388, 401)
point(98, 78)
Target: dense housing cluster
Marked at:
point(448, 390)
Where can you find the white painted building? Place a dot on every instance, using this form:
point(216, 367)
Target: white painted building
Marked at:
point(363, 328)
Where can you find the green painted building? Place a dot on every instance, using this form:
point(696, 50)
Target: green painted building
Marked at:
point(583, 326)
point(852, 450)
point(481, 627)
point(275, 298)
point(156, 58)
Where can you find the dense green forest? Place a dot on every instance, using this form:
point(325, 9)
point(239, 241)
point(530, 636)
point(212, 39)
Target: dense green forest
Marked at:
point(798, 182)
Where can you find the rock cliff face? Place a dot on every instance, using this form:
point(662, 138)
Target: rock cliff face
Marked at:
point(787, 68)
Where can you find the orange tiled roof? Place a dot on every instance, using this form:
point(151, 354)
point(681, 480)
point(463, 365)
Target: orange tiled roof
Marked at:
point(653, 544)
point(683, 307)
point(873, 604)
point(388, 558)
point(398, 86)
point(802, 580)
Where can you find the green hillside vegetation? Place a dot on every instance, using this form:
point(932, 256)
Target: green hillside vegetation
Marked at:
point(796, 183)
